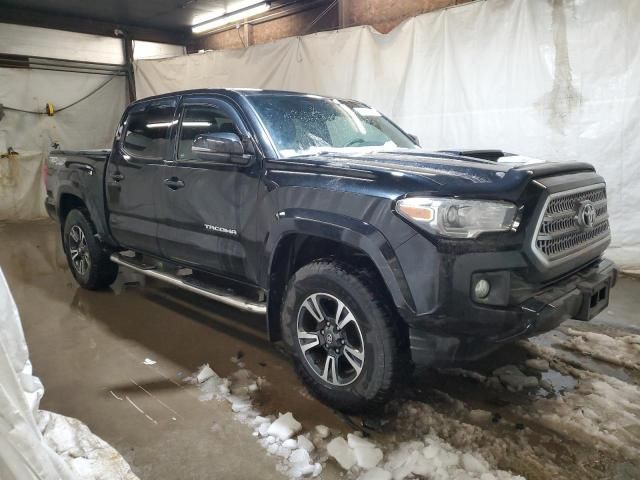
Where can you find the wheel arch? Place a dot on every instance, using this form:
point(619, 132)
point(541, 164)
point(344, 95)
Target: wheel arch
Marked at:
point(71, 198)
point(300, 237)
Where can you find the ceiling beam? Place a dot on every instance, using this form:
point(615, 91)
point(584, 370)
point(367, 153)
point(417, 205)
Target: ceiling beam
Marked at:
point(36, 18)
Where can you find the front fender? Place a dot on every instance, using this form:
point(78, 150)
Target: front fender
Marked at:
point(346, 230)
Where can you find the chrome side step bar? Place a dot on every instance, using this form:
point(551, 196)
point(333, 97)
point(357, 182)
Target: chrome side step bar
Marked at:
point(217, 295)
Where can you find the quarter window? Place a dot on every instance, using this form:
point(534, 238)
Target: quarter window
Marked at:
point(199, 120)
point(148, 129)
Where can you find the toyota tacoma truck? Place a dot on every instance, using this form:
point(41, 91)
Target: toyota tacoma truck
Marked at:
point(365, 253)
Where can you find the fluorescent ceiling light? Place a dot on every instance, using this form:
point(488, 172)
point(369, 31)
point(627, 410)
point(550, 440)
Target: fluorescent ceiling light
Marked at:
point(196, 124)
point(231, 17)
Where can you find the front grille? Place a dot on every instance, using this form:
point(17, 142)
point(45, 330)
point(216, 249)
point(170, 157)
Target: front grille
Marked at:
point(562, 232)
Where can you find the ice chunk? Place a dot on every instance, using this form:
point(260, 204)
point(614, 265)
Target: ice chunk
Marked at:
point(539, 364)
point(283, 452)
point(323, 432)
point(513, 378)
point(299, 455)
point(473, 464)
point(367, 457)
point(376, 474)
point(260, 419)
point(366, 454)
point(356, 441)
point(480, 416)
point(304, 442)
point(205, 372)
point(291, 443)
point(284, 427)
point(263, 429)
point(339, 449)
point(239, 403)
point(148, 361)
point(300, 470)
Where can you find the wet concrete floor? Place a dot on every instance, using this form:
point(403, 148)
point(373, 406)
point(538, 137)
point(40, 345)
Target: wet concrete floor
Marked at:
point(89, 349)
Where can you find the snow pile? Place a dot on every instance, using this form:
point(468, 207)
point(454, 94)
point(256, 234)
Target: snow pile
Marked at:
point(456, 429)
point(467, 452)
point(514, 378)
point(602, 411)
point(356, 451)
point(435, 459)
point(431, 456)
point(279, 436)
point(623, 350)
point(88, 456)
point(237, 389)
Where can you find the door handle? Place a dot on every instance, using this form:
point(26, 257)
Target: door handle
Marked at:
point(173, 183)
point(117, 177)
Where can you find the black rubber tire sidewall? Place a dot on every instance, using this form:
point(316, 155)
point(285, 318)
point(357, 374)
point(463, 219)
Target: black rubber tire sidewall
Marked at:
point(380, 372)
point(102, 271)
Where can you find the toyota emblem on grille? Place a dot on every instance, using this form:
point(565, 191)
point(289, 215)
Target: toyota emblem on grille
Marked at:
point(586, 214)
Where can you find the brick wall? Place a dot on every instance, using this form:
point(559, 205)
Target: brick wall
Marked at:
point(269, 31)
point(383, 15)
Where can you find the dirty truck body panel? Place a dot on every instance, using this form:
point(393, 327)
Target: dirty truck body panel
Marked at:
point(152, 194)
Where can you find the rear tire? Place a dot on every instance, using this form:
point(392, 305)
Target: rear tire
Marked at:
point(89, 263)
point(343, 335)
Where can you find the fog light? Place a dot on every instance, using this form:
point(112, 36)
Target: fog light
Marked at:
point(482, 288)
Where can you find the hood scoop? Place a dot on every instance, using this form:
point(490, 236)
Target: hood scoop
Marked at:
point(490, 155)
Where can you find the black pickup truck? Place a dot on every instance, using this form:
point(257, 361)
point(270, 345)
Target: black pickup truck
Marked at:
point(366, 253)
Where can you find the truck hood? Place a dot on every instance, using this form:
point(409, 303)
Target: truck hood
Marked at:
point(420, 170)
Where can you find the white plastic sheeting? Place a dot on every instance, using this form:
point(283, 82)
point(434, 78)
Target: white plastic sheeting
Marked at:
point(35, 444)
point(89, 124)
point(558, 80)
point(22, 192)
point(23, 453)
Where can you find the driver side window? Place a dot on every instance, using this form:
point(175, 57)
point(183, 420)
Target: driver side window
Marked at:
point(198, 120)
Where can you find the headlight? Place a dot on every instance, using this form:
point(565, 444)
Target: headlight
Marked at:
point(457, 218)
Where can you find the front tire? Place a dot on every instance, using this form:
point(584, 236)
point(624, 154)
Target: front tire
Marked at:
point(89, 263)
point(343, 335)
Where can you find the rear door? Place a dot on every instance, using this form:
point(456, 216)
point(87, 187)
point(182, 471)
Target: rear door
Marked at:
point(206, 209)
point(142, 145)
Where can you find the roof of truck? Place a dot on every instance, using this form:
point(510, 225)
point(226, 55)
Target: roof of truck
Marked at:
point(244, 92)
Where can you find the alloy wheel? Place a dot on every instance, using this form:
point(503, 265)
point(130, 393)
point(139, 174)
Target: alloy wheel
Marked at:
point(79, 250)
point(330, 339)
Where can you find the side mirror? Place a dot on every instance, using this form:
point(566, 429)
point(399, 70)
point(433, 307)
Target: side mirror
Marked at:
point(219, 148)
point(414, 138)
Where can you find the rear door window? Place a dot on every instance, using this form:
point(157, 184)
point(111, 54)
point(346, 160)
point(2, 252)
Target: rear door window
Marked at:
point(148, 129)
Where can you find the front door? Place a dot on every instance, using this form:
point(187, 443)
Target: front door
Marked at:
point(142, 145)
point(206, 209)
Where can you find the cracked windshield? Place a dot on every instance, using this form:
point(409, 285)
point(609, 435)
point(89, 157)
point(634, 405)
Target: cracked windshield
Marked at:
point(310, 125)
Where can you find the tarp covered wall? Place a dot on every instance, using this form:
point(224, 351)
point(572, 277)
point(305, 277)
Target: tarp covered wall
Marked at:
point(89, 124)
point(558, 80)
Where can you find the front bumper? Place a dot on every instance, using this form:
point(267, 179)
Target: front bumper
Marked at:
point(483, 328)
